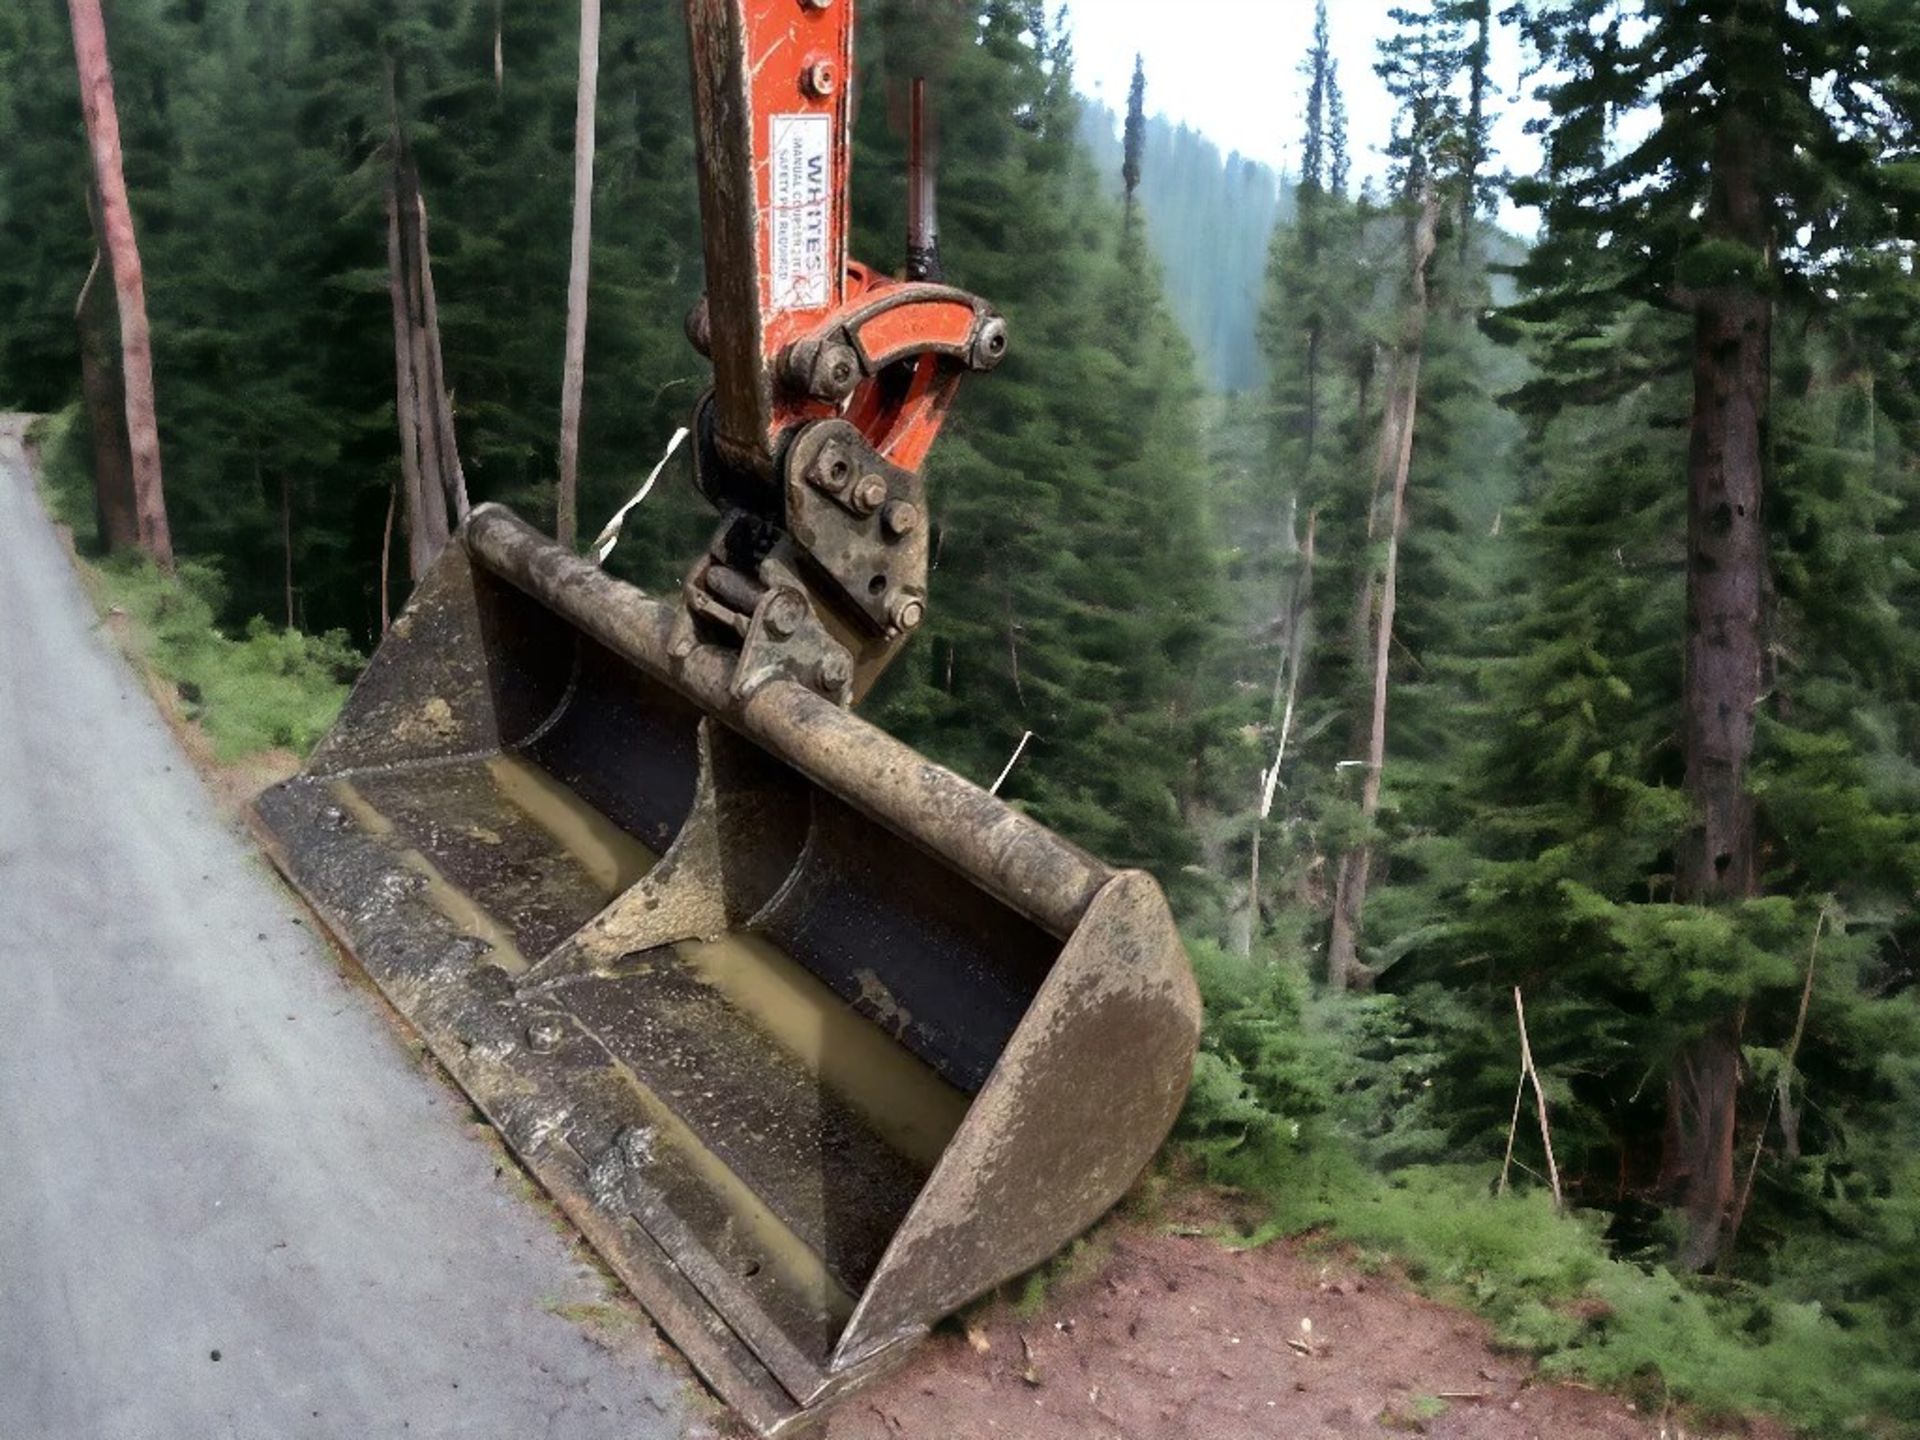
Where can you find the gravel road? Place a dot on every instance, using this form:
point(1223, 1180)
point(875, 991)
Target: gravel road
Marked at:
point(231, 1205)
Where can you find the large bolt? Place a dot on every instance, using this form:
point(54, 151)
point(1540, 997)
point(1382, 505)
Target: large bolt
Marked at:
point(821, 78)
point(901, 518)
point(785, 613)
point(823, 372)
point(908, 612)
point(870, 494)
point(990, 345)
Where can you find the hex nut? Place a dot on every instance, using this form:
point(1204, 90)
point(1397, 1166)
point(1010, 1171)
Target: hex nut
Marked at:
point(870, 494)
point(829, 470)
point(544, 1036)
point(821, 78)
point(990, 345)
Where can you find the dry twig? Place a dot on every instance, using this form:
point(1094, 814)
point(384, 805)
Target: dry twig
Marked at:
point(1529, 1073)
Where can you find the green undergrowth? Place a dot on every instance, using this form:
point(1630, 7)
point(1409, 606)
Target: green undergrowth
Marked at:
point(1286, 1086)
point(265, 688)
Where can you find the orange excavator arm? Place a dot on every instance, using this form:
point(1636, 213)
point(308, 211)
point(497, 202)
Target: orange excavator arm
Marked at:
point(831, 379)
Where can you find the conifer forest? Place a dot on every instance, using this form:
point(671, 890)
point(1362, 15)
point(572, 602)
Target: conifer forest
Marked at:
point(1453, 619)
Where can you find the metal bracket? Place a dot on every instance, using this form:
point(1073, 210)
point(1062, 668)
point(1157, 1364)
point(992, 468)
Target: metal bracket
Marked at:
point(896, 323)
point(861, 521)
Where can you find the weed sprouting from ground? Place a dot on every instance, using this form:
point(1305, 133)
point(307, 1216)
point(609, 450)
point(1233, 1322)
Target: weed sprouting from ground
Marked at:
point(1078, 1262)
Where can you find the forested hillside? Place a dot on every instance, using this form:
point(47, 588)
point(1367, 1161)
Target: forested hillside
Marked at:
point(1211, 220)
point(1445, 639)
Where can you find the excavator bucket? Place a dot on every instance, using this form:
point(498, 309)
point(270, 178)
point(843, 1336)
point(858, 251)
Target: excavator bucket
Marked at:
point(813, 1039)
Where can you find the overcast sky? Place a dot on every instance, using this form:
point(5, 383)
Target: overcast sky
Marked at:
point(1230, 69)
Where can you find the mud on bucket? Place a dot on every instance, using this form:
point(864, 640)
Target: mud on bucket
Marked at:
point(814, 1040)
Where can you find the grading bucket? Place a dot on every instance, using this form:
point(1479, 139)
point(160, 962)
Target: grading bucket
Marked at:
point(815, 1040)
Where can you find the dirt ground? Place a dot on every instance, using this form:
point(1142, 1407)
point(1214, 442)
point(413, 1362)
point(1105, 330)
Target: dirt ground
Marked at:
point(1175, 1337)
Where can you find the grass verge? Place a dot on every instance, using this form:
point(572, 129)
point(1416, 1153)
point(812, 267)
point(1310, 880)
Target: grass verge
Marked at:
point(263, 689)
point(1271, 1116)
point(1554, 1290)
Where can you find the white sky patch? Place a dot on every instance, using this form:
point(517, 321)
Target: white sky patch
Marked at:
point(1230, 69)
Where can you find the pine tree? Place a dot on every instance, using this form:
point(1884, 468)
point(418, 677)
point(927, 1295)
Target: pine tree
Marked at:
point(1134, 140)
point(1758, 176)
point(1210, 219)
point(1473, 20)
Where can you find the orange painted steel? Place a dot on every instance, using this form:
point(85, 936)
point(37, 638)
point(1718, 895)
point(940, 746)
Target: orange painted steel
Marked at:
point(773, 90)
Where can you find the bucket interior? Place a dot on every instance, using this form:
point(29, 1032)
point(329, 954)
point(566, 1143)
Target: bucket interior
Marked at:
point(789, 1085)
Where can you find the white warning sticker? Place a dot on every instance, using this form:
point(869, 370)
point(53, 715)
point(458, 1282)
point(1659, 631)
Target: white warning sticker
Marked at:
point(802, 210)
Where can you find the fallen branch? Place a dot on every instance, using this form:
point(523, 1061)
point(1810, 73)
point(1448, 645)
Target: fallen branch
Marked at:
point(1529, 1073)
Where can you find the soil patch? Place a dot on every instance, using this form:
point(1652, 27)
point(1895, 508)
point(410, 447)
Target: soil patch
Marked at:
point(1176, 1337)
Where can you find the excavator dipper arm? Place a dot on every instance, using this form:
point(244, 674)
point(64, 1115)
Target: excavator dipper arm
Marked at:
point(831, 379)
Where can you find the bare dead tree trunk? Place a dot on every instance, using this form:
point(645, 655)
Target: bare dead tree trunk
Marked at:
point(452, 478)
point(1286, 696)
point(425, 516)
point(1344, 970)
point(566, 527)
point(1727, 582)
point(116, 515)
point(129, 283)
point(429, 455)
point(286, 542)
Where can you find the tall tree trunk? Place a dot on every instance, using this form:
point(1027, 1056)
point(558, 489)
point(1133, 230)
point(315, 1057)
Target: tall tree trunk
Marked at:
point(129, 283)
point(1286, 696)
point(286, 542)
point(453, 479)
point(116, 515)
point(425, 515)
point(566, 527)
point(1395, 460)
point(429, 453)
point(1727, 582)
